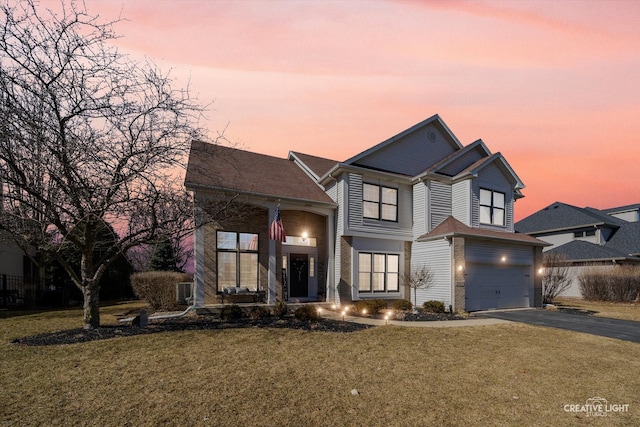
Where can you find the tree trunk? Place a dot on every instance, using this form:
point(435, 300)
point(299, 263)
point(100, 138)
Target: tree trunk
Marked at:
point(91, 307)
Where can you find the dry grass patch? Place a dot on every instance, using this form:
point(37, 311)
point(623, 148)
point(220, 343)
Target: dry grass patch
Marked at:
point(615, 310)
point(500, 375)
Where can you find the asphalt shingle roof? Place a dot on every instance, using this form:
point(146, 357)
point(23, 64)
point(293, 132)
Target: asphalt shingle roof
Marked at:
point(626, 239)
point(217, 167)
point(451, 227)
point(559, 216)
point(319, 165)
point(580, 250)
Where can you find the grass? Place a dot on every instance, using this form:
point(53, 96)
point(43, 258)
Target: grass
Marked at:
point(502, 375)
point(616, 310)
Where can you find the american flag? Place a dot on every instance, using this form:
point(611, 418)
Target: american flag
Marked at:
point(276, 231)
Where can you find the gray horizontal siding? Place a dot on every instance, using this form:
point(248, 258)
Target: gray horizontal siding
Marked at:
point(492, 178)
point(359, 225)
point(411, 154)
point(492, 253)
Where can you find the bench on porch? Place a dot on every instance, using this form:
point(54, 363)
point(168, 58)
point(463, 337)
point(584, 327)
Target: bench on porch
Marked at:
point(241, 294)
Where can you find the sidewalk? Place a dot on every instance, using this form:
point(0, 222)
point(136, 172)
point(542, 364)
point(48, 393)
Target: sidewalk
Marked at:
point(329, 314)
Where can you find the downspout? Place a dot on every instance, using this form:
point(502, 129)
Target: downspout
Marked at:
point(163, 316)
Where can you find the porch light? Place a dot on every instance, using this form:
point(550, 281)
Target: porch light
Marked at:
point(364, 311)
point(503, 259)
point(305, 235)
point(460, 267)
point(541, 271)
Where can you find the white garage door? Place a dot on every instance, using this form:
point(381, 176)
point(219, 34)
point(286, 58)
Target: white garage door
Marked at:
point(491, 286)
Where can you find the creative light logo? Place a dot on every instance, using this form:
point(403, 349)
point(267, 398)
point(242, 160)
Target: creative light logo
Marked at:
point(596, 407)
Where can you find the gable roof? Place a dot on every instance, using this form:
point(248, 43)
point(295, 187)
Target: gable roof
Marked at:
point(558, 216)
point(411, 151)
point(458, 157)
point(476, 167)
point(220, 168)
point(435, 119)
point(583, 251)
point(316, 166)
point(451, 227)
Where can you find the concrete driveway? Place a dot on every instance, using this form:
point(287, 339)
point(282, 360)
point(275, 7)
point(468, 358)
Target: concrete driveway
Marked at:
point(612, 328)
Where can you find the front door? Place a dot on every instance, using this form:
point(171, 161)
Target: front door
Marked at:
point(299, 276)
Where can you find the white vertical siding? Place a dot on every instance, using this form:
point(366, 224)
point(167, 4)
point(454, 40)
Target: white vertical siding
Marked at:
point(436, 255)
point(461, 202)
point(440, 202)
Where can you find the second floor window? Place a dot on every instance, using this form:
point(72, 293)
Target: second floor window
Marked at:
point(492, 207)
point(379, 202)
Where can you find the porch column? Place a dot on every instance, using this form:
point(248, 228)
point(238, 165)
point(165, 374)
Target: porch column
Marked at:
point(273, 273)
point(198, 267)
point(330, 291)
point(459, 270)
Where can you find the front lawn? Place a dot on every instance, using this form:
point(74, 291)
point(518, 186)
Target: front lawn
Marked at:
point(506, 375)
point(616, 310)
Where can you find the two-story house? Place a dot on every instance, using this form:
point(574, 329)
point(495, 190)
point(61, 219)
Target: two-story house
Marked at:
point(587, 237)
point(355, 229)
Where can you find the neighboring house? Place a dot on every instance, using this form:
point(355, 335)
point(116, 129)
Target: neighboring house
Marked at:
point(356, 228)
point(587, 236)
point(16, 275)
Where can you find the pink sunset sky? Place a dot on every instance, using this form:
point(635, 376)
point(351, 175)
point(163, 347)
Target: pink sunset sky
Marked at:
point(553, 86)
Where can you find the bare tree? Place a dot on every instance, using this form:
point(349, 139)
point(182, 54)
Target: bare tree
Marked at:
point(421, 277)
point(556, 277)
point(87, 136)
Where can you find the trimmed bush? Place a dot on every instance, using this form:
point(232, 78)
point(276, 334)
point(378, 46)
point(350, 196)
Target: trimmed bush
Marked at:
point(259, 312)
point(373, 306)
point(231, 312)
point(433, 306)
point(402, 305)
point(306, 313)
point(280, 309)
point(158, 288)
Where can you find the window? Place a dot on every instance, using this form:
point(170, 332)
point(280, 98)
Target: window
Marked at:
point(379, 202)
point(378, 272)
point(492, 207)
point(237, 255)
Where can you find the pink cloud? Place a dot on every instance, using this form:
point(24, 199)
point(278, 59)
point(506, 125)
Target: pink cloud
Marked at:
point(551, 85)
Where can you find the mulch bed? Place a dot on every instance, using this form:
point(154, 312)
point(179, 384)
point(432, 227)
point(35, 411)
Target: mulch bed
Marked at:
point(425, 316)
point(189, 323)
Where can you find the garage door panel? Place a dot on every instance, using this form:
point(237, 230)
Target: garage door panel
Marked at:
point(491, 286)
